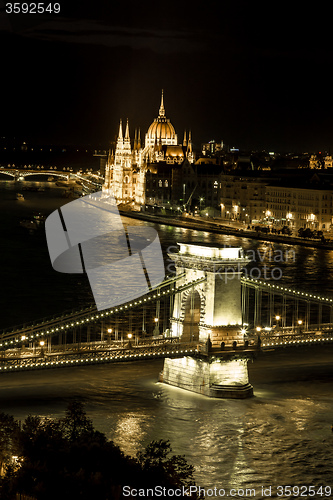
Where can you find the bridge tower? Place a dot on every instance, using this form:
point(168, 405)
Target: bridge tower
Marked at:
point(210, 312)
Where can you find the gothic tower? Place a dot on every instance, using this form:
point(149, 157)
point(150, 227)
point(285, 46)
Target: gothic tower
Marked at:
point(126, 168)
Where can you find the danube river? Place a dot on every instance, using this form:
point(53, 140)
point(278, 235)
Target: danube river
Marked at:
point(281, 436)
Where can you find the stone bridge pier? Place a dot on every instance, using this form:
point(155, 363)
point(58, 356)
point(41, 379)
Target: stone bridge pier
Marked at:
point(210, 312)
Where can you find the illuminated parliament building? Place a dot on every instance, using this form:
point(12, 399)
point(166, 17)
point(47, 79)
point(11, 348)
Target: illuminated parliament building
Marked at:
point(149, 172)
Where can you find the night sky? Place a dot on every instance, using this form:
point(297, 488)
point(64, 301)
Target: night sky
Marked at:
point(255, 74)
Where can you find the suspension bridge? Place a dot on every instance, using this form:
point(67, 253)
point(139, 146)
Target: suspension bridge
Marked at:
point(120, 332)
point(21, 174)
point(197, 314)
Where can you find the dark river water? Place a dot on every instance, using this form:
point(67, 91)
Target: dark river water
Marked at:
point(281, 436)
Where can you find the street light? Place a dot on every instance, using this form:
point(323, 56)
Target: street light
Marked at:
point(277, 318)
point(156, 329)
point(109, 330)
point(201, 200)
point(42, 343)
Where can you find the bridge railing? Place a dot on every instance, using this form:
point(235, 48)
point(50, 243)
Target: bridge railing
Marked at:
point(313, 336)
point(81, 356)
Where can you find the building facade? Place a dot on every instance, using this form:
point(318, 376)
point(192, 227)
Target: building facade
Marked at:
point(243, 198)
point(300, 207)
point(149, 172)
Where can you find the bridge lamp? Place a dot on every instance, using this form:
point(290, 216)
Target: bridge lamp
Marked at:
point(299, 322)
point(23, 337)
point(277, 317)
point(258, 328)
point(129, 336)
point(42, 343)
point(156, 320)
point(109, 330)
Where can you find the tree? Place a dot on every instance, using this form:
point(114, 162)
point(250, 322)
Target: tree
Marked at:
point(68, 458)
point(169, 471)
point(286, 230)
point(305, 233)
point(9, 434)
point(76, 423)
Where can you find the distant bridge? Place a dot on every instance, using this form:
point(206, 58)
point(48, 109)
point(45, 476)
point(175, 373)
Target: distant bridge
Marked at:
point(21, 174)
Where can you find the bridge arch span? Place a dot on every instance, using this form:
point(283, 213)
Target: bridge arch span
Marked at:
point(192, 313)
point(199, 292)
point(46, 172)
point(6, 172)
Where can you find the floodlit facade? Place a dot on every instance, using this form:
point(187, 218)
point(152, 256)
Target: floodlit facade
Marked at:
point(147, 172)
point(243, 198)
point(299, 207)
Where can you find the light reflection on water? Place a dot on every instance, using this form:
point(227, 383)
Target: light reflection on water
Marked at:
point(131, 430)
point(281, 436)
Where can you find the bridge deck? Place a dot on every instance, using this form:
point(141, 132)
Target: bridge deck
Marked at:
point(101, 352)
point(15, 356)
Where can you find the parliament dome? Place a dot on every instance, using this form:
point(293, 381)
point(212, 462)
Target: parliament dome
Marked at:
point(161, 131)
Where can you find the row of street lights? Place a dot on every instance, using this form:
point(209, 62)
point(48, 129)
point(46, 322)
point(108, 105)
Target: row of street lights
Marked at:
point(277, 318)
point(236, 212)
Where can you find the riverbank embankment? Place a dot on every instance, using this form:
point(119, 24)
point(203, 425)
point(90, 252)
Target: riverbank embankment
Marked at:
point(217, 227)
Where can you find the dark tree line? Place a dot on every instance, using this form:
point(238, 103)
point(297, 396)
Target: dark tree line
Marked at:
point(310, 233)
point(67, 458)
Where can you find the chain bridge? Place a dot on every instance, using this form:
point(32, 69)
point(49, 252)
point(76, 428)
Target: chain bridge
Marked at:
point(20, 174)
point(207, 321)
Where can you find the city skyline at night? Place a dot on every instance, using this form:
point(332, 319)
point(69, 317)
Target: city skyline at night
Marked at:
point(166, 212)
